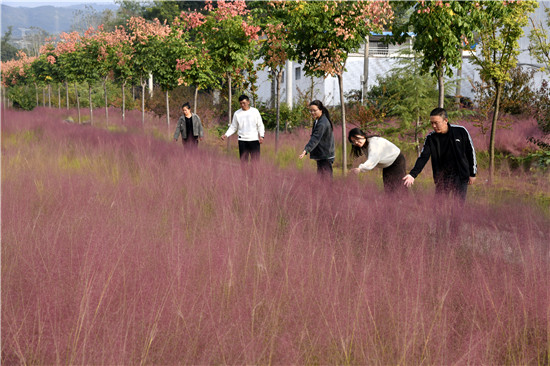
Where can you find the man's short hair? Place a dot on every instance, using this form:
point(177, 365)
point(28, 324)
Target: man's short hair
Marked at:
point(186, 104)
point(441, 112)
point(243, 97)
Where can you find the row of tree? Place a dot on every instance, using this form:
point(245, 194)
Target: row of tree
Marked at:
point(218, 44)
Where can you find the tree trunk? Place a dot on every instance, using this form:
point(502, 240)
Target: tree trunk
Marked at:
point(90, 102)
point(36, 92)
point(49, 96)
point(343, 104)
point(123, 101)
point(365, 71)
point(195, 100)
point(278, 81)
point(58, 96)
point(458, 86)
point(168, 110)
point(43, 97)
point(273, 102)
point(416, 128)
point(106, 101)
point(493, 132)
point(77, 103)
point(229, 109)
point(143, 83)
point(150, 86)
point(67, 93)
point(441, 85)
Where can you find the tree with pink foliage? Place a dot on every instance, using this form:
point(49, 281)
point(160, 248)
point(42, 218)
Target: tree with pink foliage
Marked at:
point(16, 72)
point(120, 57)
point(145, 36)
point(325, 32)
point(276, 49)
point(229, 36)
point(68, 59)
point(200, 73)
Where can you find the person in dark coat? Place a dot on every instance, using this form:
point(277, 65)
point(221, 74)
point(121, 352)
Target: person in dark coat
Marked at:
point(451, 149)
point(190, 127)
point(321, 143)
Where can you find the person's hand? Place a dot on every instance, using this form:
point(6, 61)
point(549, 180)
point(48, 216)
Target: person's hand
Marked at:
point(471, 180)
point(408, 180)
point(201, 138)
point(354, 171)
point(261, 139)
point(223, 137)
point(175, 140)
point(302, 154)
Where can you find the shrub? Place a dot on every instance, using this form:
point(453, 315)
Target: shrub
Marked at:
point(517, 95)
point(22, 98)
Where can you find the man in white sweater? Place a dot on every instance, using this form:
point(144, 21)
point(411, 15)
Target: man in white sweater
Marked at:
point(248, 124)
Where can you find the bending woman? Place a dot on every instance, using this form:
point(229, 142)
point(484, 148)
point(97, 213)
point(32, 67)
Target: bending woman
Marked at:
point(380, 153)
point(321, 143)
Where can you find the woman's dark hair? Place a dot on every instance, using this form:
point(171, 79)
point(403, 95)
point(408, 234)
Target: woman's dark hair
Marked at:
point(186, 104)
point(355, 150)
point(323, 109)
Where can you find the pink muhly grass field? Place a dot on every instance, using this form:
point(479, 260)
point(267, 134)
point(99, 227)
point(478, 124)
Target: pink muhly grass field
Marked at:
point(121, 248)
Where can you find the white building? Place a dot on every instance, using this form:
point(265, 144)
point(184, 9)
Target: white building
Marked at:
point(382, 58)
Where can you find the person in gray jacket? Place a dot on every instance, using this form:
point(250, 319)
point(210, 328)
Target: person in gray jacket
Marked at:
point(190, 127)
point(321, 143)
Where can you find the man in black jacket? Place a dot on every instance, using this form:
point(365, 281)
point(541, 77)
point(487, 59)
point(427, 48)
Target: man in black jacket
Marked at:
point(453, 157)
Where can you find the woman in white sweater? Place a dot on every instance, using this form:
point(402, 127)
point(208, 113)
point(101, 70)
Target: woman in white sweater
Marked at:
point(380, 153)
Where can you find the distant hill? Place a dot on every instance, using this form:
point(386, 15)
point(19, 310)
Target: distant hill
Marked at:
point(52, 19)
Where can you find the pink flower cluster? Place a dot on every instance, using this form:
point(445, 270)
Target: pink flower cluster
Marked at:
point(192, 20)
point(251, 31)
point(184, 65)
point(142, 29)
point(68, 43)
point(230, 9)
point(16, 69)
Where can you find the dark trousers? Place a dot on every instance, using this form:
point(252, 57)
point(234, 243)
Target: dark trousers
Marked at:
point(249, 149)
point(324, 168)
point(452, 184)
point(191, 142)
point(392, 176)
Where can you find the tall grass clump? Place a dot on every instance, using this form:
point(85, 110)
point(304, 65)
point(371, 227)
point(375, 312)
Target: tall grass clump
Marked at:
point(120, 248)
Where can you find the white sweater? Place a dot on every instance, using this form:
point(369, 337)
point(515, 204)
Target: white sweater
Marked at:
point(248, 123)
point(382, 153)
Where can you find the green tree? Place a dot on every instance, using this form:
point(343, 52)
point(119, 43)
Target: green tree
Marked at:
point(440, 29)
point(171, 57)
point(501, 26)
point(325, 32)
point(414, 97)
point(8, 50)
point(143, 35)
point(540, 43)
point(229, 36)
point(201, 73)
point(275, 50)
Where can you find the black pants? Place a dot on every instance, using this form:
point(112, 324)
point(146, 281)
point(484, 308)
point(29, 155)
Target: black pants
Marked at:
point(249, 149)
point(452, 184)
point(191, 142)
point(393, 176)
point(324, 168)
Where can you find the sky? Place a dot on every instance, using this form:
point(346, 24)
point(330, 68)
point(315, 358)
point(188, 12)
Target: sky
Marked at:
point(35, 3)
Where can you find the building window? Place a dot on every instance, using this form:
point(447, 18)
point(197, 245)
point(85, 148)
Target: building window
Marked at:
point(297, 73)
